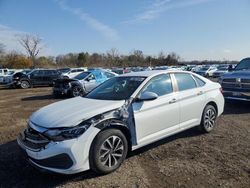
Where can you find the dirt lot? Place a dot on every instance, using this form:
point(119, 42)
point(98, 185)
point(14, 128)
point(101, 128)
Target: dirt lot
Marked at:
point(189, 159)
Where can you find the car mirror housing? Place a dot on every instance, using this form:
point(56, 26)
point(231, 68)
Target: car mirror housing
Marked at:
point(147, 96)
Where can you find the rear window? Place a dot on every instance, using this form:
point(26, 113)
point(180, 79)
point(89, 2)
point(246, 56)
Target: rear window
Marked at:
point(184, 81)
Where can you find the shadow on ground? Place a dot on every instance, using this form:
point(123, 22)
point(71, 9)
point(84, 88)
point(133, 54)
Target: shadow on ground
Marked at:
point(15, 171)
point(236, 107)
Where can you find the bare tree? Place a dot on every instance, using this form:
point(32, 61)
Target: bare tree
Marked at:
point(32, 45)
point(1, 48)
point(113, 56)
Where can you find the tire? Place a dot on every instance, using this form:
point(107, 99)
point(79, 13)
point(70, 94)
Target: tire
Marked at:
point(108, 151)
point(77, 91)
point(208, 120)
point(25, 84)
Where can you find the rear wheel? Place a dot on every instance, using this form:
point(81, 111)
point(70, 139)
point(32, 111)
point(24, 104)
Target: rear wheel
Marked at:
point(108, 151)
point(25, 84)
point(208, 119)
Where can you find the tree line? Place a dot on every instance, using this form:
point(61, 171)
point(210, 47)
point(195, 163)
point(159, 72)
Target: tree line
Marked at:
point(112, 58)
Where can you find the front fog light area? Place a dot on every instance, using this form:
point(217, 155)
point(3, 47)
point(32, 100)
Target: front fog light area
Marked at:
point(67, 133)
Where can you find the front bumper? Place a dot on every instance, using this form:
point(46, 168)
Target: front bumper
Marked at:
point(65, 157)
point(61, 91)
point(236, 95)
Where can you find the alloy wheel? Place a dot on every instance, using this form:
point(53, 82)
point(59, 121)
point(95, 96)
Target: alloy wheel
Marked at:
point(111, 151)
point(209, 119)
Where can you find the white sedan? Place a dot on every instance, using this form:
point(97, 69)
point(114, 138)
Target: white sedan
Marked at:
point(122, 114)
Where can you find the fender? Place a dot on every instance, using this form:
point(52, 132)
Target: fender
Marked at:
point(123, 116)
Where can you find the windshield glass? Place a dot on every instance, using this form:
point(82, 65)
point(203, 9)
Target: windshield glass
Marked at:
point(82, 75)
point(204, 68)
point(117, 88)
point(243, 65)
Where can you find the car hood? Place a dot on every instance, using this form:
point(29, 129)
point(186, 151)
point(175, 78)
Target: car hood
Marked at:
point(237, 74)
point(71, 112)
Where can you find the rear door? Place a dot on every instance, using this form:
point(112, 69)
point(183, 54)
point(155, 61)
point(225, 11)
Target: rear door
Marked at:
point(157, 118)
point(36, 77)
point(191, 98)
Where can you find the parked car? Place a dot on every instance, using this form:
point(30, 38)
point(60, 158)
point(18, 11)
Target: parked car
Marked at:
point(81, 84)
point(120, 71)
point(6, 79)
point(3, 72)
point(220, 71)
point(124, 113)
point(37, 77)
point(236, 83)
point(205, 71)
point(73, 72)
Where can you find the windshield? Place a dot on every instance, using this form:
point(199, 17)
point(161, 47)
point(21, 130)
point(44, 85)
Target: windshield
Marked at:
point(243, 64)
point(82, 75)
point(116, 88)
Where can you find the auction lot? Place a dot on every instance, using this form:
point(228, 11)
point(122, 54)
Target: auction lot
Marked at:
point(189, 159)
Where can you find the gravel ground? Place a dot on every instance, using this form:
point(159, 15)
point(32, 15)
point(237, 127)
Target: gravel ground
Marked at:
point(188, 159)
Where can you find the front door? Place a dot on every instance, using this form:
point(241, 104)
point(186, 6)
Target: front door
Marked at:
point(160, 117)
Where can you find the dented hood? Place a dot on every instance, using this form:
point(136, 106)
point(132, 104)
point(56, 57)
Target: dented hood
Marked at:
point(71, 112)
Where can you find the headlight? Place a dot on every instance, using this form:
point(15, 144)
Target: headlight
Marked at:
point(67, 133)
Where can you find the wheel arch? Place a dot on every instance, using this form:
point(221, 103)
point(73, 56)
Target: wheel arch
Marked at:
point(116, 124)
point(212, 103)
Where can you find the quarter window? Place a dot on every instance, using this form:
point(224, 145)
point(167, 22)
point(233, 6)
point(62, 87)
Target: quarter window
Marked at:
point(161, 85)
point(184, 81)
point(199, 81)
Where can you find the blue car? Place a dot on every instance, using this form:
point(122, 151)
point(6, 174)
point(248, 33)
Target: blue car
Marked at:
point(81, 84)
point(236, 83)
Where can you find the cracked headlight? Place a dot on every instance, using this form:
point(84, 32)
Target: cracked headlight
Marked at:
point(67, 133)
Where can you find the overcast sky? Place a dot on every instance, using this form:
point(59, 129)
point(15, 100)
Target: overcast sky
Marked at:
point(194, 29)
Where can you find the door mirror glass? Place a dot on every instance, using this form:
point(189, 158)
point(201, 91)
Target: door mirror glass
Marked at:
point(147, 96)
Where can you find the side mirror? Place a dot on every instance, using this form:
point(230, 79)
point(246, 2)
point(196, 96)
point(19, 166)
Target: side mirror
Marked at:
point(230, 68)
point(147, 96)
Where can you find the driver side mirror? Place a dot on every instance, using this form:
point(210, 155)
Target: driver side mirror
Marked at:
point(230, 68)
point(147, 96)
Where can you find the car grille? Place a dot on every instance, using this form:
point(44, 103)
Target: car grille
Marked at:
point(33, 140)
point(234, 84)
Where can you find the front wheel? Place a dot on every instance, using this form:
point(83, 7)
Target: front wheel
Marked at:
point(77, 91)
point(108, 151)
point(208, 119)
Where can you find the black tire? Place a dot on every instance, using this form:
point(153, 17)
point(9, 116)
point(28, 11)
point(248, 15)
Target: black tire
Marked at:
point(103, 160)
point(24, 84)
point(77, 91)
point(208, 120)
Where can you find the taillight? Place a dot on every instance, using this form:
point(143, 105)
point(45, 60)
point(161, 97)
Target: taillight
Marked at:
point(221, 90)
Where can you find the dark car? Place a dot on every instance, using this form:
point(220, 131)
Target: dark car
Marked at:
point(37, 77)
point(236, 83)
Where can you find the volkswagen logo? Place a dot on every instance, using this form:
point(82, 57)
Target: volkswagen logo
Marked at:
point(238, 80)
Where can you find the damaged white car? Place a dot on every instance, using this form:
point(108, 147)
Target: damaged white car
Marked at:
point(122, 114)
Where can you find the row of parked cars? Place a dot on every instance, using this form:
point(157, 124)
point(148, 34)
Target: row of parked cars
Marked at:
point(235, 79)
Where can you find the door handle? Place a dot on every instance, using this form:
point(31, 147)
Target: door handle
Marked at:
point(200, 93)
point(172, 101)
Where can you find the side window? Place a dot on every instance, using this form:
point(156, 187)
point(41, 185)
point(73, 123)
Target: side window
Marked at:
point(73, 71)
point(199, 81)
point(161, 85)
point(91, 77)
point(184, 81)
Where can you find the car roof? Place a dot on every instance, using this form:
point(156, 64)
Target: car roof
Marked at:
point(152, 73)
